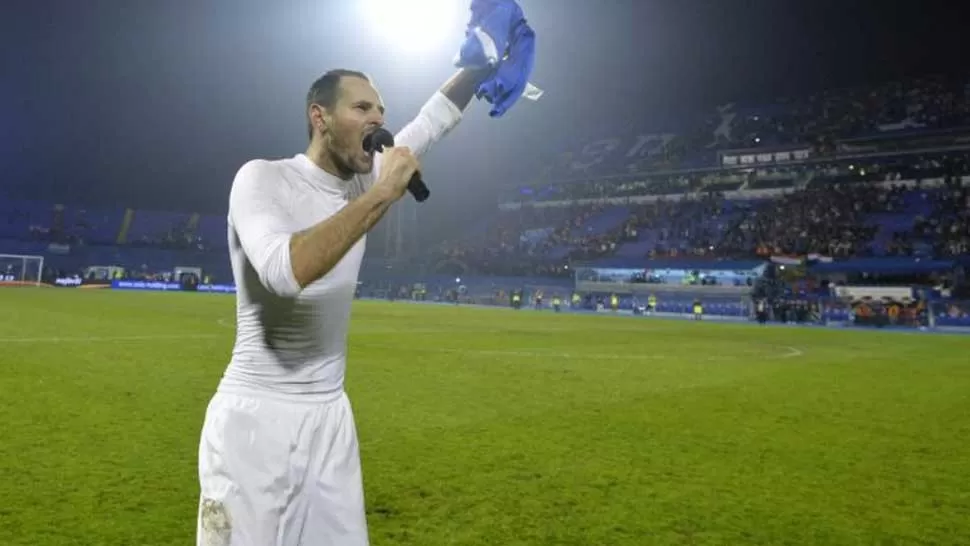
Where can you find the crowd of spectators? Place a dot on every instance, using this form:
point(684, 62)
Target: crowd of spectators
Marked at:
point(946, 230)
point(831, 219)
point(517, 241)
point(691, 226)
point(821, 118)
point(821, 123)
point(827, 221)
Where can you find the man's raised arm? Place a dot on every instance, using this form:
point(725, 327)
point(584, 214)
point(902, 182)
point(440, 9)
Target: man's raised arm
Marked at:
point(442, 111)
point(460, 88)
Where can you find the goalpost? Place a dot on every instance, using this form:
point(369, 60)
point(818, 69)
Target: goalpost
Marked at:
point(18, 270)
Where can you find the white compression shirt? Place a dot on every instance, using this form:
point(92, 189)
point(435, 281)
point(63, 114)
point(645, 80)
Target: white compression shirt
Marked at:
point(293, 342)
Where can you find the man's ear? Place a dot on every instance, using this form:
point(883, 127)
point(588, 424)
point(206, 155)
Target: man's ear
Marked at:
point(321, 118)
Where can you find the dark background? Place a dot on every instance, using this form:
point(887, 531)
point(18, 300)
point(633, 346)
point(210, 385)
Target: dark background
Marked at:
point(155, 104)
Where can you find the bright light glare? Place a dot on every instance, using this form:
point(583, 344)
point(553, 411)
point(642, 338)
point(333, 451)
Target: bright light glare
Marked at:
point(416, 26)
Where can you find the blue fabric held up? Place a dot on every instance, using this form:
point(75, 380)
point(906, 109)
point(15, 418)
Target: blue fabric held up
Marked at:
point(499, 36)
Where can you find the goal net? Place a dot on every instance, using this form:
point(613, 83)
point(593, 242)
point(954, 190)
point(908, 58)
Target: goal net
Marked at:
point(16, 270)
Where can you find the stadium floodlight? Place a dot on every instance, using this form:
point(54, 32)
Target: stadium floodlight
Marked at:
point(416, 26)
point(20, 270)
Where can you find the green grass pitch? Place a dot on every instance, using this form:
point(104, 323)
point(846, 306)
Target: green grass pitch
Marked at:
point(490, 426)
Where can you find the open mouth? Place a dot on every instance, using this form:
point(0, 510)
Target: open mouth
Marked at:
point(373, 140)
point(364, 144)
point(368, 155)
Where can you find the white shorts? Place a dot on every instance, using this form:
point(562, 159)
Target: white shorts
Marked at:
point(280, 473)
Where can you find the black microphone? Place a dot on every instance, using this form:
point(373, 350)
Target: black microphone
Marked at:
point(376, 141)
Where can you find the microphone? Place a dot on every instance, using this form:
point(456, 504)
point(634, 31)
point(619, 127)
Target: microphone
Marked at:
point(376, 141)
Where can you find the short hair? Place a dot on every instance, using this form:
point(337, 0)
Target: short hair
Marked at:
point(326, 90)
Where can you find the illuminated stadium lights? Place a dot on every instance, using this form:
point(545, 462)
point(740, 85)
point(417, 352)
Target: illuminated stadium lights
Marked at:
point(416, 26)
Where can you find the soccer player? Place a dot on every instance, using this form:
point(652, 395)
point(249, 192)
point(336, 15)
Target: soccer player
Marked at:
point(278, 456)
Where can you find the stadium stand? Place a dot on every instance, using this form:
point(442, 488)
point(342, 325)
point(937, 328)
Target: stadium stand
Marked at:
point(833, 207)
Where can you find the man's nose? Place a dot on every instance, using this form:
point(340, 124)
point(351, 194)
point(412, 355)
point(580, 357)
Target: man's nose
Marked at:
point(375, 120)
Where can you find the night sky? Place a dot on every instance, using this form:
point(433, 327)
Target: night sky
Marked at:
point(156, 104)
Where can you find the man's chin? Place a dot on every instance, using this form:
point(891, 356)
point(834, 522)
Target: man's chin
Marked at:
point(365, 166)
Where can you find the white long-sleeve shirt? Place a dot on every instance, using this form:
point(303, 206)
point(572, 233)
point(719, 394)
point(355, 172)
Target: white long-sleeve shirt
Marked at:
point(293, 342)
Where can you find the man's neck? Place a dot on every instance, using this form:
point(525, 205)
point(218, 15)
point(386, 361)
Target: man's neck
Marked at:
point(322, 158)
